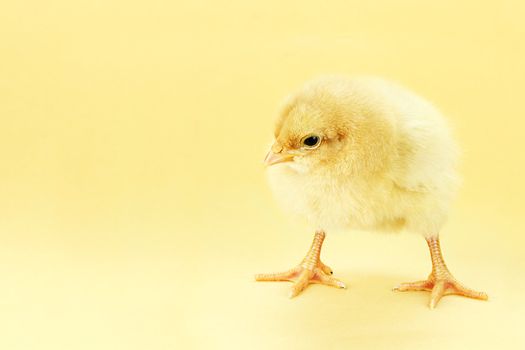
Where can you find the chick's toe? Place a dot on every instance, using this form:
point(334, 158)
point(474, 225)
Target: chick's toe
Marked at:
point(440, 282)
point(310, 270)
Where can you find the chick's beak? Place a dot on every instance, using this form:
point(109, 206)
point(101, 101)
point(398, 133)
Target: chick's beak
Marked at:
point(277, 157)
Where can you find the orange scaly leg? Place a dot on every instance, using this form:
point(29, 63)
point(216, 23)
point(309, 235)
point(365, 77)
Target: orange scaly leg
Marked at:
point(310, 270)
point(440, 282)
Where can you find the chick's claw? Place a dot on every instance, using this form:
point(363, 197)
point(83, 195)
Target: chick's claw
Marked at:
point(440, 287)
point(302, 277)
point(311, 270)
point(440, 282)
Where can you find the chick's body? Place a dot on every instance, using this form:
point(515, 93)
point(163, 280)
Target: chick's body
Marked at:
point(391, 164)
point(367, 154)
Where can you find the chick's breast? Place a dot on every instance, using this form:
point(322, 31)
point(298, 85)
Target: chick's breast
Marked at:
point(395, 167)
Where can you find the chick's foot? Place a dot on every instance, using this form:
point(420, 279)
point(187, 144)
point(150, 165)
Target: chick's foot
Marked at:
point(440, 287)
point(310, 270)
point(440, 282)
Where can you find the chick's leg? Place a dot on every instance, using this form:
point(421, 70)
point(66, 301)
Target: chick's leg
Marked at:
point(440, 282)
point(310, 270)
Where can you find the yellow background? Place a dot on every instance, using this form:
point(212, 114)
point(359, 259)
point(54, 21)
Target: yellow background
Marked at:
point(133, 205)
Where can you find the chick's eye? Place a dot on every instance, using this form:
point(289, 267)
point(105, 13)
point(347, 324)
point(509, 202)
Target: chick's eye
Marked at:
point(311, 141)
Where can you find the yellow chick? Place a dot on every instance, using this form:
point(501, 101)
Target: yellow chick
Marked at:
point(364, 153)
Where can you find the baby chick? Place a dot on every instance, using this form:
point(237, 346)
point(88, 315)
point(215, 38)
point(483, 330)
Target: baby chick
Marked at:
point(364, 153)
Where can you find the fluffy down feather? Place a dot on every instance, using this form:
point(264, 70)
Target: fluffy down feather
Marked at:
point(386, 161)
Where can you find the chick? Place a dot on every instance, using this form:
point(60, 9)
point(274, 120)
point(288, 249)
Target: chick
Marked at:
point(364, 153)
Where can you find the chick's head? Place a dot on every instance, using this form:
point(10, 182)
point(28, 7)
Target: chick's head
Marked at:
point(304, 136)
point(326, 126)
